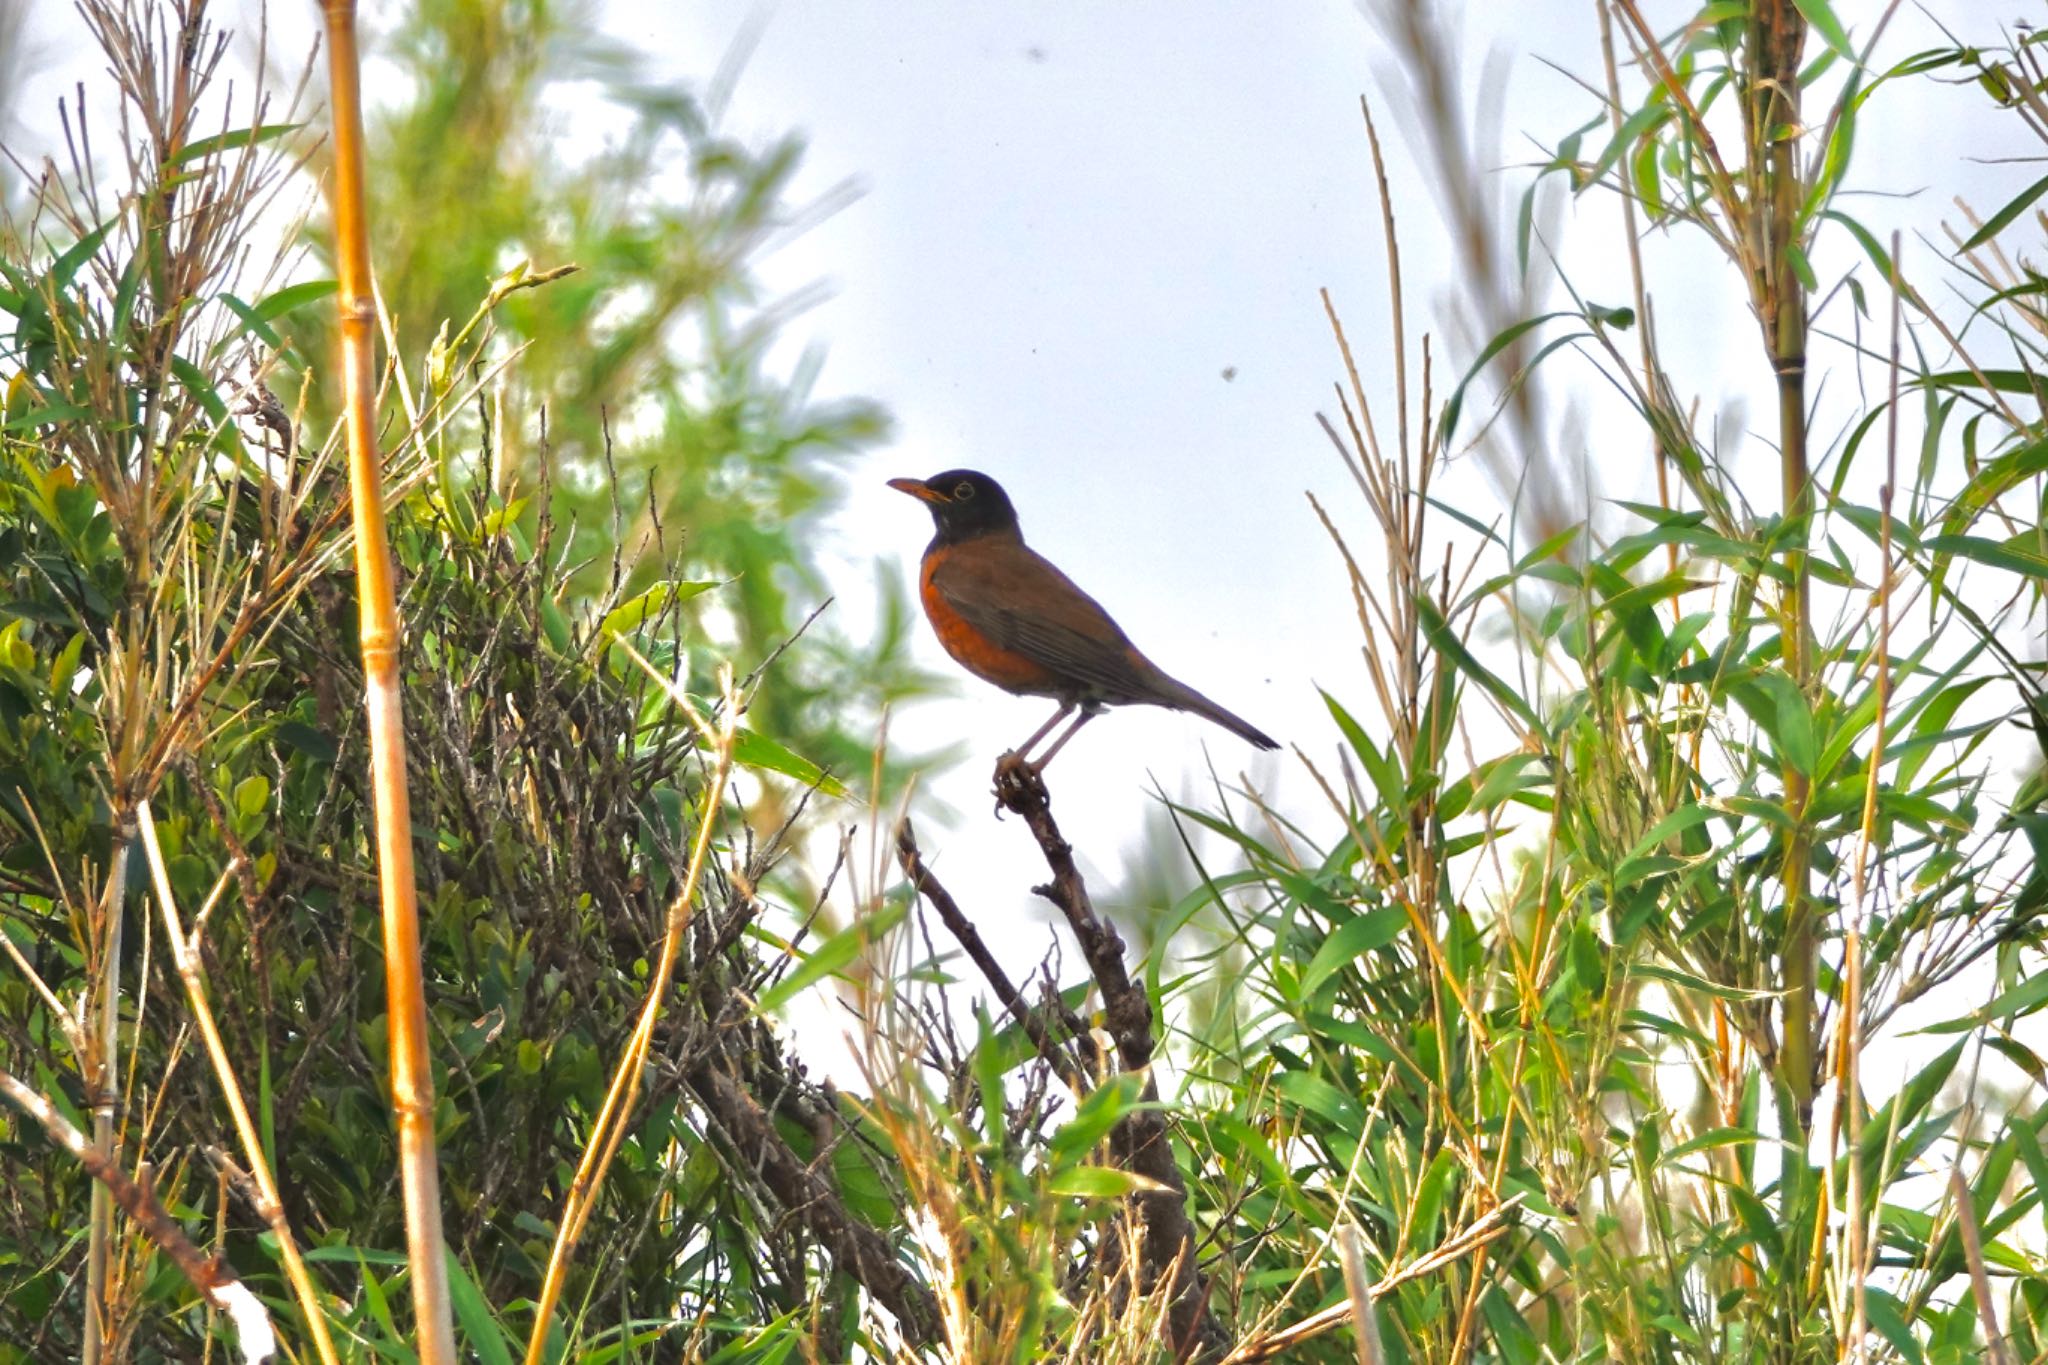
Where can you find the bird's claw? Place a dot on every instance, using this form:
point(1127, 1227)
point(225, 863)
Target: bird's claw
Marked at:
point(1015, 779)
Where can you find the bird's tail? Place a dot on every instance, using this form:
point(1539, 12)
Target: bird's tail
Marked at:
point(1184, 698)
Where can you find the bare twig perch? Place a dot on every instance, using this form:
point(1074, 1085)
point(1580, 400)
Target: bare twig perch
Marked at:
point(1161, 1228)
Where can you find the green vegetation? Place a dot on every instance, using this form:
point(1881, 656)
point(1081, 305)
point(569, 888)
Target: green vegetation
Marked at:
point(1544, 1038)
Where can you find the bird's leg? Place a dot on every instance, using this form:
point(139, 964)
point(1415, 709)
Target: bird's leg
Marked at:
point(1088, 713)
point(1021, 752)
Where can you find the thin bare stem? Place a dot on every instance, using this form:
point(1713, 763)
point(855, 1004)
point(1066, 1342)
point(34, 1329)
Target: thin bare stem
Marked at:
point(185, 956)
point(106, 1054)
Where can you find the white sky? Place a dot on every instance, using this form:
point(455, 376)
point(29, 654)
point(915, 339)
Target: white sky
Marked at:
point(1078, 217)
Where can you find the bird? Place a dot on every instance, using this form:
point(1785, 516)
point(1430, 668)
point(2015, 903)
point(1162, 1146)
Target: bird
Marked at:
point(1008, 616)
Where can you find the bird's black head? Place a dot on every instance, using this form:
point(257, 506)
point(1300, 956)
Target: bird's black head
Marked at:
point(964, 504)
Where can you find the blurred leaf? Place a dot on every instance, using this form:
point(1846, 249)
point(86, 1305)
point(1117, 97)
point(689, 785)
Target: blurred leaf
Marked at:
point(200, 148)
point(1101, 1110)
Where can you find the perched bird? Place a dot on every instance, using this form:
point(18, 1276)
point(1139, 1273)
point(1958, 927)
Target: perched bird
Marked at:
point(1009, 617)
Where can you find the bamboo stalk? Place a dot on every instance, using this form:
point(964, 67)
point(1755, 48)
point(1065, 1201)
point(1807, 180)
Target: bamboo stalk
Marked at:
point(412, 1085)
point(1777, 33)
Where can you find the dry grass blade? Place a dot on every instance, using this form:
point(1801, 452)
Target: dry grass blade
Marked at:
point(1980, 1278)
point(1359, 1291)
point(1483, 1230)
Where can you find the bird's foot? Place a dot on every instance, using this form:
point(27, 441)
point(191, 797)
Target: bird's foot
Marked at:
point(1017, 781)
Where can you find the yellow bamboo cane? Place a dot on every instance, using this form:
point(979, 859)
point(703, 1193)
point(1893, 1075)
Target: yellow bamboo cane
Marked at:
point(412, 1085)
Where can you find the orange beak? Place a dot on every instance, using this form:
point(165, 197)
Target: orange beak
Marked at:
point(918, 488)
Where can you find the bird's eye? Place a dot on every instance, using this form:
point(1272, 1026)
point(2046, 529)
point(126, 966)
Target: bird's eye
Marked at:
point(962, 491)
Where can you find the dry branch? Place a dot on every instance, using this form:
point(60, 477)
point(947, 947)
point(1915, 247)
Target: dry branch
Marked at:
point(1164, 1233)
point(808, 1196)
point(1268, 1346)
point(1028, 1018)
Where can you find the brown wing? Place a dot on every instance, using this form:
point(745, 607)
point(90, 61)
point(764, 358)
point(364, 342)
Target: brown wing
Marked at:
point(1021, 602)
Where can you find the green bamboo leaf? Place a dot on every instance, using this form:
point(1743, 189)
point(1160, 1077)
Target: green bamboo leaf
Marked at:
point(831, 956)
point(1780, 709)
point(1720, 1137)
point(1672, 976)
point(1446, 642)
point(1888, 1316)
point(271, 307)
point(486, 1337)
point(1104, 1108)
point(1506, 776)
point(1661, 833)
point(1505, 338)
point(1639, 127)
point(2003, 381)
point(1098, 1182)
point(2010, 210)
point(200, 387)
point(630, 615)
point(2022, 999)
point(752, 749)
point(1357, 936)
point(1821, 15)
point(1322, 1099)
point(200, 148)
point(2013, 555)
point(1381, 768)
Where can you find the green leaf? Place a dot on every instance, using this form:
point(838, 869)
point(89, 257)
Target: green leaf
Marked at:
point(200, 148)
point(1501, 341)
point(1777, 705)
point(1507, 776)
point(1097, 1182)
point(1104, 1108)
point(1446, 642)
point(1678, 822)
point(2003, 219)
point(1588, 958)
point(271, 307)
point(2010, 554)
point(1385, 775)
point(2024, 998)
point(1888, 1316)
point(1719, 1137)
point(252, 793)
point(251, 323)
point(832, 955)
point(1322, 1099)
point(1357, 936)
point(1672, 976)
point(200, 387)
point(629, 616)
point(486, 1338)
point(752, 749)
